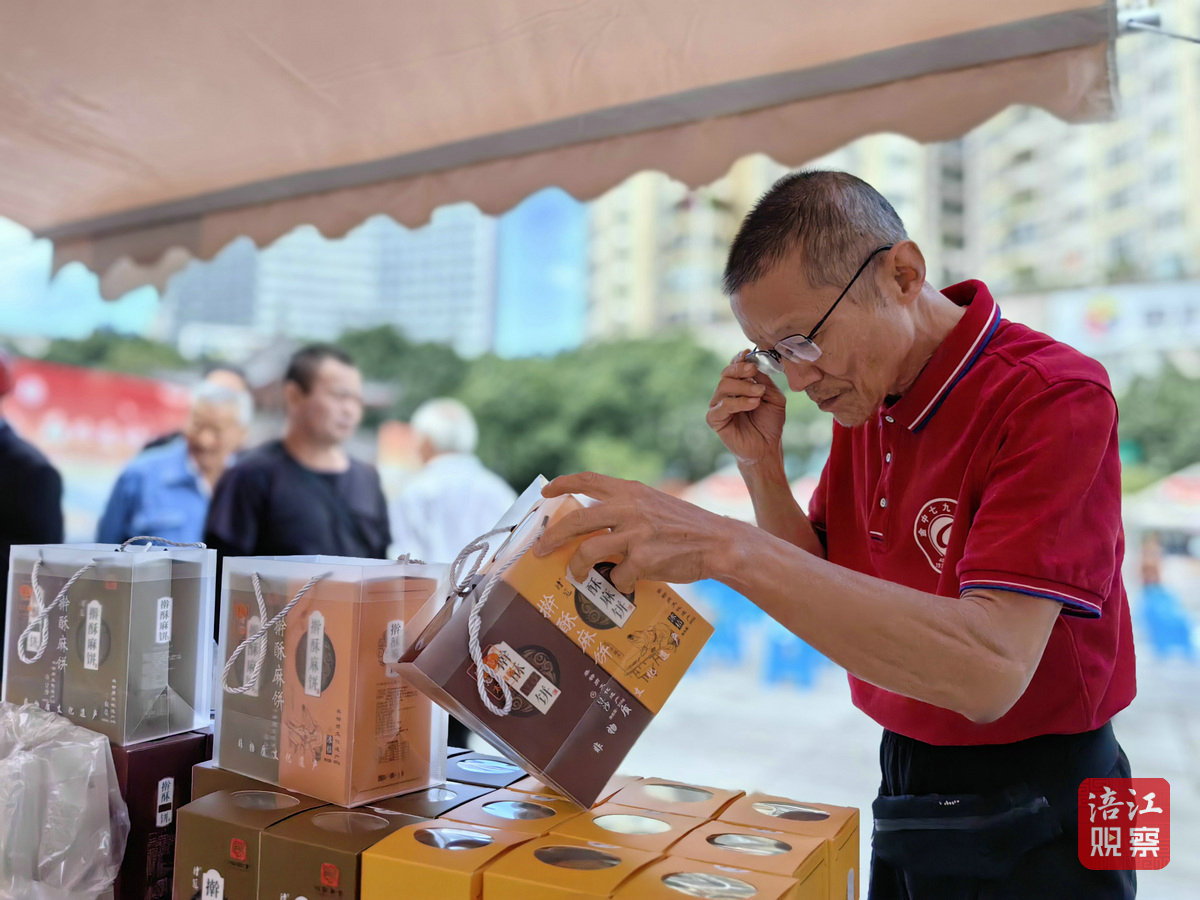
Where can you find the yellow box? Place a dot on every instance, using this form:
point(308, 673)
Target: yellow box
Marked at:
point(508, 810)
point(443, 860)
point(775, 852)
point(677, 797)
point(553, 866)
point(674, 878)
point(836, 825)
point(326, 712)
point(532, 785)
point(626, 826)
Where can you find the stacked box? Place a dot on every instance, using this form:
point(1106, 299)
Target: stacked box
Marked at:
point(315, 702)
point(836, 826)
point(554, 866)
point(433, 802)
point(531, 785)
point(208, 778)
point(638, 829)
point(441, 859)
point(509, 810)
point(676, 797)
point(124, 652)
point(673, 878)
point(154, 781)
point(317, 852)
point(218, 846)
point(484, 769)
point(587, 667)
point(775, 852)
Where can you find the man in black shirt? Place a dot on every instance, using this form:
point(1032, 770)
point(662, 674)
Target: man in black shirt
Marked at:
point(305, 494)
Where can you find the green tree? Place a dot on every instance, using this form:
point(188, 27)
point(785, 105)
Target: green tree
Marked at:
point(416, 371)
point(116, 352)
point(1160, 422)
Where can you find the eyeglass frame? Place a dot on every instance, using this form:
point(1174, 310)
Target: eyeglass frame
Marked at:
point(771, 356)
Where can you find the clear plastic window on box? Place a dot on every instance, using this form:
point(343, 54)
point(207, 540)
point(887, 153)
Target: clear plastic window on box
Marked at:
point(125, 650)
point(309, 695)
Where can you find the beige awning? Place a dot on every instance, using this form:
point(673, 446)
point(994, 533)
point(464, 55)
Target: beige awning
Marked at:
point(137, 134)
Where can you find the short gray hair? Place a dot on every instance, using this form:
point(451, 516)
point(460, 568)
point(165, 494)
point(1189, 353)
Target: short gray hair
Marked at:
point(833, 218)
point(447, 424)
point(208, 394)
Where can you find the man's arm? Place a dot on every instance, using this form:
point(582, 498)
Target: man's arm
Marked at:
point(747, 413)
point(973, 654)
point(114, 525)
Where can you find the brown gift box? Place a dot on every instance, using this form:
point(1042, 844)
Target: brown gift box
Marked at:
point(218, 842)
point(317, 852)
point(676, 797)
point(208, 778)
point(774, 852)
point(442, 860)
point(586, 671)
point(434, 801)
point(510, 810)
point(484, 769)
point(836, 825)
point(673, 878)
point(554, 866)
point(638, 829)
point(154, 777)
point(531, 785)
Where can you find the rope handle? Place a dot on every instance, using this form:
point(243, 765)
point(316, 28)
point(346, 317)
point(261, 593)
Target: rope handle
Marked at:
point(41, 612)
point(251, 683)
point(484, 666)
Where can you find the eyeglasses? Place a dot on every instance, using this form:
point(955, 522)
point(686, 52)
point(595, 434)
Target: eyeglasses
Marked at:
point(800, 347)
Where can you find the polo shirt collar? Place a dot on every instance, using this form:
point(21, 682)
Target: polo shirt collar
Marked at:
point(953, 357)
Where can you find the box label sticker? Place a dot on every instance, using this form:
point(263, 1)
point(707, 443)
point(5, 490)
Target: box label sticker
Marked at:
point(254, 655)
point(162, 631)
point(522, 677)
point(393, 649)
point(315, 661)
point(600, 591)
point(166, 802)
point(91, 636)
point(212, 886)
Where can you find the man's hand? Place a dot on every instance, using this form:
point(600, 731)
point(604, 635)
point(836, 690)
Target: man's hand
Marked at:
point(747, 413)
point(651, 536)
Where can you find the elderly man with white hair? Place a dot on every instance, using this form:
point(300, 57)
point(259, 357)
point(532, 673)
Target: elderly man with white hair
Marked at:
point(165, 491)
point(454, 498)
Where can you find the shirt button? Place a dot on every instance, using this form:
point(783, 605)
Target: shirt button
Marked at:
point(888, 458)
point(883, 501)
point(888, 419)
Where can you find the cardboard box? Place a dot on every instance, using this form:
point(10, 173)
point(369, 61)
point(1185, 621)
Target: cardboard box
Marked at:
point(123, 653)
point(437, 859)
point(326, 711)
point(554, 866)
point(218, 842)
point(531, 785)
point(638, 829)
point(483, 769)
point(582, 690)
point(435, 801)
point(510, 810)
point(154, 777)
point(836, 825)
point(775, 852)
point(676, 797)
point(673, 878)
point(317, 852)
point(208, 778)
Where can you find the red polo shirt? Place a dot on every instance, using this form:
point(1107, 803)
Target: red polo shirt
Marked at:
point(997, 469)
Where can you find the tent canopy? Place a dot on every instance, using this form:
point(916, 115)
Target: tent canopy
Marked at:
point(138, 134)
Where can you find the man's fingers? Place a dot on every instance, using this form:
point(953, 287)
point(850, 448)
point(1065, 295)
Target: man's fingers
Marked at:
point(575, 523)
point(593, 484)
point(600, 547)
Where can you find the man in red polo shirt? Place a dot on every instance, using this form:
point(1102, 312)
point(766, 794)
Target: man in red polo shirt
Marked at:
point(961, 556)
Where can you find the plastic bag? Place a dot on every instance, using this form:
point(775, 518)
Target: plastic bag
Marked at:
point(63, 823)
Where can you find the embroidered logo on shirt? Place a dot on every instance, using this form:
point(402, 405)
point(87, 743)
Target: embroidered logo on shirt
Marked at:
point(932, 530)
